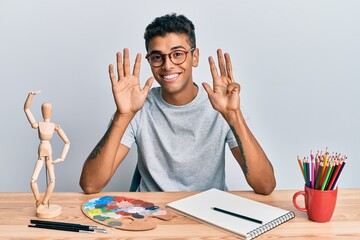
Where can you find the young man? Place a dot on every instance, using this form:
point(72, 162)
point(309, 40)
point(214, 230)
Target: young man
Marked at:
point(181, 129)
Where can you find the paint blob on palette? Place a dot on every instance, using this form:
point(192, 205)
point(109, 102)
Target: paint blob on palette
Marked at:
point(124, 213)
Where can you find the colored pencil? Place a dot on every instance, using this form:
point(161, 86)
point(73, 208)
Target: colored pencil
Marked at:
point(318, 177)
point(313, 170)
point(301, 167)
point(306, 173)
point(335, 173)
point(322, 179)
point(337, 177)
point(312, 162)
point(326, 157)
point(322, 171)
point(326, 180)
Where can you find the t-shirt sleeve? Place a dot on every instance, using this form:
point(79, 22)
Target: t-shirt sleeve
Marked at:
point(231, 140)
point(129, 135)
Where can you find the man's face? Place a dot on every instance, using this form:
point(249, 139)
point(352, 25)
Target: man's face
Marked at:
point(173, 79)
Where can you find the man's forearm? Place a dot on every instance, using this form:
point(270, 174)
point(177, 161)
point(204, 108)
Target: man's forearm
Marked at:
point(101, 162)
point(243, 138)
point(251, 157)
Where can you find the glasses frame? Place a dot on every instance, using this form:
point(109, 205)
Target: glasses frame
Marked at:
point(163, 56)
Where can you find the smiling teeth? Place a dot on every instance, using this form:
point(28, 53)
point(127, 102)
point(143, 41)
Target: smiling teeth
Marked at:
point(171, 76)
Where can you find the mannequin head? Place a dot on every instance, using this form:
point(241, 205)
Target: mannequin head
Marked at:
point(46, 109)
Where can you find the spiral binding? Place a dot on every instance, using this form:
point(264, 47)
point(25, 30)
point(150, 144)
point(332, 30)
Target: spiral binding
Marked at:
point(270, 225)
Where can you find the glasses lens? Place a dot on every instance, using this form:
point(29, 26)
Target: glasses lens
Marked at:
point(155, 59)
point(178, 56)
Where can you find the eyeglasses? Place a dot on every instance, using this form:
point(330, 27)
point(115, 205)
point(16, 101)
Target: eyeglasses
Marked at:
point(177, 57)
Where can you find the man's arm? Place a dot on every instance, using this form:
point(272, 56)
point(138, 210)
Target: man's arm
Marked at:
point(129, 98)
point(225, 98)
point(104, 159)
point(256, 166)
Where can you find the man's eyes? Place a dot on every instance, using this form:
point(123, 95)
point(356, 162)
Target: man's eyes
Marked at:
point(177, 54)
point(156, 57)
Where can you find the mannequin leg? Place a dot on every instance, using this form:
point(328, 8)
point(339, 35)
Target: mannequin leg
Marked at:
point(51, 185)
point(45, 209)
point(33, 182)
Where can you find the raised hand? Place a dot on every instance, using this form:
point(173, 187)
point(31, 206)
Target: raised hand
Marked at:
point(224, 96)
point(128, 95)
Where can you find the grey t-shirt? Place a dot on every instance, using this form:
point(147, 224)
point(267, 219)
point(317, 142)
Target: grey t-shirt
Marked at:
point(180, 148)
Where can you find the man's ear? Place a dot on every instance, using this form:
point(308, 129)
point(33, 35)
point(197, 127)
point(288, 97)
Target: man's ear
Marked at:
point(196, 54)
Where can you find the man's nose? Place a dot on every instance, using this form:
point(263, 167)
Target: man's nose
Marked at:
point(167, 64)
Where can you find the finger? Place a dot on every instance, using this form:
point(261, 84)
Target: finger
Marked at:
point(136, 71)
point(229, 67)
point(119, 65)
point(213, 69)
point(126, 62)
point(112, 75)
point(221, 62)
point(233, 87)
point(237, 87)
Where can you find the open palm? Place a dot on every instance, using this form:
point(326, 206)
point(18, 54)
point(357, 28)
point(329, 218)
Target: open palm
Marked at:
point(224, 96)
point(128, 95)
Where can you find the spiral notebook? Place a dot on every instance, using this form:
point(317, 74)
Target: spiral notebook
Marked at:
point(243, 217)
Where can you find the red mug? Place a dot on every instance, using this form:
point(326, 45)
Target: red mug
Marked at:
point(319, 205)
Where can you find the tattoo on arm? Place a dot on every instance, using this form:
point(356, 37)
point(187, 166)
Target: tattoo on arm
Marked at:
point(99, 146)
point(244, 165)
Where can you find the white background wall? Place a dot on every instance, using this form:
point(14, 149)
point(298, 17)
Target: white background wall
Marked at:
point(297, 63)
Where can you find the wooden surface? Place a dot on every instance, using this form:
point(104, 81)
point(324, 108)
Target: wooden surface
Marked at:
point(17, 209)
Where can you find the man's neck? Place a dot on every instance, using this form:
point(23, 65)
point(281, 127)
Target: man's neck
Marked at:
point(182, 98)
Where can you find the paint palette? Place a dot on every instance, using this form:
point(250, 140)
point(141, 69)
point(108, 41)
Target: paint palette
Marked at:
point(124, 213)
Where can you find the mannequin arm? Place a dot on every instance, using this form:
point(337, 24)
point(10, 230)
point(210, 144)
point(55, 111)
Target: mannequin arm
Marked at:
point(66, 145)
point(28, 113)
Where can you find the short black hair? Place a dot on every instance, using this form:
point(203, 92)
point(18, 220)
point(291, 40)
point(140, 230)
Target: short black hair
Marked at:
point(170, 23)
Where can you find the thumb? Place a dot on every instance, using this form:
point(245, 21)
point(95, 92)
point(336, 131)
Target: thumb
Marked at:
point(148, 84)
point(207, 88)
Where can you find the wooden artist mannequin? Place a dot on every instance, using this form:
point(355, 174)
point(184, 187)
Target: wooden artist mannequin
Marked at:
point(46, 130)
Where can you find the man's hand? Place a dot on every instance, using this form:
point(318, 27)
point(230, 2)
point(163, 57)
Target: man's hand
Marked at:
point(129, 97)
point(224, 96)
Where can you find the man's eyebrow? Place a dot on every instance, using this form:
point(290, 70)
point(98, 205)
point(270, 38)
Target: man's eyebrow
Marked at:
point(173, 48)
point(177, 47)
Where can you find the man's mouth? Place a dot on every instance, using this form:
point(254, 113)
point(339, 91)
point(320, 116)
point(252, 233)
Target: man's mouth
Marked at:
point(170, 77)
